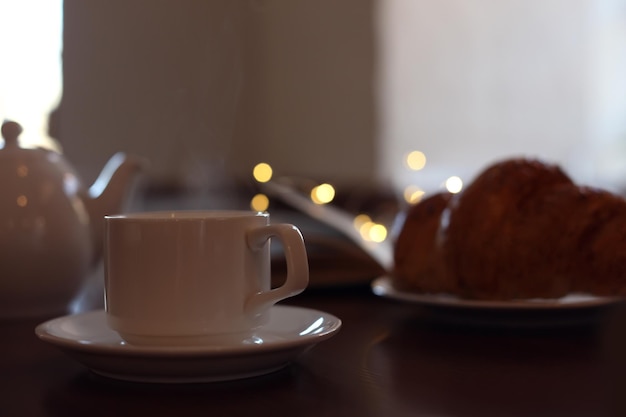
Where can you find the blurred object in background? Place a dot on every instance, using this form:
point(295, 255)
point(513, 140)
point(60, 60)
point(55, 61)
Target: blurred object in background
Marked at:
point(210, 88)
point(344, 90)
point(346, 236)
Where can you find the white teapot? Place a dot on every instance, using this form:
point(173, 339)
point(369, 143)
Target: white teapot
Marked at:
point(51, 225)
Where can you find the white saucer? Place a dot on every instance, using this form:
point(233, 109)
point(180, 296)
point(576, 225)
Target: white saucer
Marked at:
point(383, 286)
point(289, 332)
point(571, 310)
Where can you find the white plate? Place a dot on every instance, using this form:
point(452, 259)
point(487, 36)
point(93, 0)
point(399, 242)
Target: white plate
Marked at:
point(290, 331)
point(383, 286)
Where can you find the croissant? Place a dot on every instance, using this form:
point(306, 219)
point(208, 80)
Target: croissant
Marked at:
point(522, 229)
point(418, 260)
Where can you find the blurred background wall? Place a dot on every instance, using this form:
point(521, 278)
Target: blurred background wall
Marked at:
point(335, 90)
point(207, 89)
point(467, 82)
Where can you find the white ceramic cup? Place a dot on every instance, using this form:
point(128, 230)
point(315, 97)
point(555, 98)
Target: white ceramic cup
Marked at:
point(195, 277)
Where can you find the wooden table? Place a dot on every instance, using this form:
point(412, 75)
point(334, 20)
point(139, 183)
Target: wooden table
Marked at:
point(389, 359)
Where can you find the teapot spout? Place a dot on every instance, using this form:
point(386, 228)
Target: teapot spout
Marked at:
point(109, 193)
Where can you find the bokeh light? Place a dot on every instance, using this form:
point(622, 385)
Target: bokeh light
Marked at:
point(369, 230)
point(360, 220)
point(454, 184)
point(378, 233)
point(22, 201)
point(323, 194)
point(262, 172)
point(364, 230)
point(416, 160)
point(260, 202)
point(413, 194)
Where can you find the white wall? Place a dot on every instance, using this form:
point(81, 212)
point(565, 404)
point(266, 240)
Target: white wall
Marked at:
point(467, 82)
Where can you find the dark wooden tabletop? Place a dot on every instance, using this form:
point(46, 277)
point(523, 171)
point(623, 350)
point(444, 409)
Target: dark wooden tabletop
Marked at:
point(389, 359)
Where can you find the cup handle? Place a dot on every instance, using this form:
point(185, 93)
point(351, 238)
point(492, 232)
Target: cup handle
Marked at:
point(297, 264)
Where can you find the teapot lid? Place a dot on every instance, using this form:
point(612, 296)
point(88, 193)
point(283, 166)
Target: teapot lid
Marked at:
point(10, 133)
